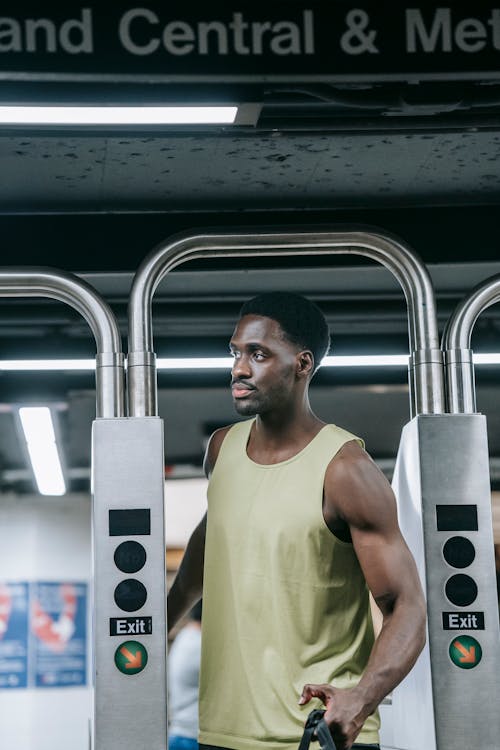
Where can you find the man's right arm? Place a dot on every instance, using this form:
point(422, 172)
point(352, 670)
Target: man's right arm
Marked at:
point(187, 587)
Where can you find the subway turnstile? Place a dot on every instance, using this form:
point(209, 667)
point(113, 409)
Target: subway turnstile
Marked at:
point(451, 697)
point(426, 369)
point(129, 586)
point(441, 481)
point(129, 630)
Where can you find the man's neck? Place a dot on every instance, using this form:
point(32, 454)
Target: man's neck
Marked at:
point(274, 439)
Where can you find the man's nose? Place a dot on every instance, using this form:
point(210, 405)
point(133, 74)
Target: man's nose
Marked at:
point(241, 368)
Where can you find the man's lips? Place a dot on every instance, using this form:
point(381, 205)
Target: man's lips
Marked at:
point(240, 390)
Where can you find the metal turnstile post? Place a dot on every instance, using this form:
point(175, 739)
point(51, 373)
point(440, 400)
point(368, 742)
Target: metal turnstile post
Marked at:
point(441, 481)
point(129, 548)
point(451, 697)
point(129, 632)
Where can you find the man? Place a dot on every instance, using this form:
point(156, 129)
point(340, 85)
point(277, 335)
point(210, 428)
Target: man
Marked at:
point(300, 524)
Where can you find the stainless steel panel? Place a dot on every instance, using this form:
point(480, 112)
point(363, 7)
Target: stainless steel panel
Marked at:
point(408, 722)
point(128, 473)
point(444, 460)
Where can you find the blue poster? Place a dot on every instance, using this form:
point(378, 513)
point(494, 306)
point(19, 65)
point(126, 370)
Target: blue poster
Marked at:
point(59, 634)
point(13, 635)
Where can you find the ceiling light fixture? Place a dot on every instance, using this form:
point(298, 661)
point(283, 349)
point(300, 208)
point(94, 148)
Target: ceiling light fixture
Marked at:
point(115, 115)
point(40, 437)
point(49, 365)
point(221, 363)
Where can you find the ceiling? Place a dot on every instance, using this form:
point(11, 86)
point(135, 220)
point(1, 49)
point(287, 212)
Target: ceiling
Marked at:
point(417, 158)
point(263, 170)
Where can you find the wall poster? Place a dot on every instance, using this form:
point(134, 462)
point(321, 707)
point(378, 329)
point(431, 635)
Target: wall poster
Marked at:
point(43, 634)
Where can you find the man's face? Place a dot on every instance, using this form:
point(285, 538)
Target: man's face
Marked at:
point(263, 376)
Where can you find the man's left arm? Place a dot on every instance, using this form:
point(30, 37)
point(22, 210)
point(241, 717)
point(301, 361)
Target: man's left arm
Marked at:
point(357, 493)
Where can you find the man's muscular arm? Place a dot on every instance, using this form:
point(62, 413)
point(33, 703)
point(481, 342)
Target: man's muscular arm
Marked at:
point(187, 587)
point(357, 493)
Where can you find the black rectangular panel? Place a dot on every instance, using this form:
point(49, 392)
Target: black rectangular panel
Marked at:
point(130, 522)
point(456, 517)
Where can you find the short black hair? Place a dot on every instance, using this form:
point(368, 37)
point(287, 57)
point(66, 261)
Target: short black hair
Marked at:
point(301, 320)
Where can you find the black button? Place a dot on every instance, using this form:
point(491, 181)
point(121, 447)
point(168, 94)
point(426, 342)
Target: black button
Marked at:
point(459, 552)
point(461, 590)
point(130, 595)
point(130, 557)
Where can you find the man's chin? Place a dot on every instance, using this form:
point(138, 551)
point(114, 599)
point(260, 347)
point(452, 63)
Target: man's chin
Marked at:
point(244, 408)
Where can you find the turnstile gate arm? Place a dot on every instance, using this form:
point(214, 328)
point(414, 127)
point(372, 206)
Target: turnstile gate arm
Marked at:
point(426, 368)
point(459, 367)
point(64, 287)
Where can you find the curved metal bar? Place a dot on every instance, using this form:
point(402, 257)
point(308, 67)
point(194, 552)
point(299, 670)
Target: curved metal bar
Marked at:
point(64, 287)
point(459, 367)
point(426, 375)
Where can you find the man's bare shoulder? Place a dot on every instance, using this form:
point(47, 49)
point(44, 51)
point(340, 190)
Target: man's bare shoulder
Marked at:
point(213, 447)
point(349, 461)
point(356, 489)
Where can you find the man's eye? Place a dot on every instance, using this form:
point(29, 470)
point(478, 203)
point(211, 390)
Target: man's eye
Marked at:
point(258, 355)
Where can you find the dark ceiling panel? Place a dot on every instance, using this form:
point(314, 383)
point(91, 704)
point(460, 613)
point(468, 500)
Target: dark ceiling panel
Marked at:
point(250, 171)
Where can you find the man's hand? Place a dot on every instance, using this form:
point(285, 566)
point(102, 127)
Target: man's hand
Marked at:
point(344, 711)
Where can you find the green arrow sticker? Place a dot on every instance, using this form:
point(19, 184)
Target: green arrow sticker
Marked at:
point(465, 652)
point(131, 657)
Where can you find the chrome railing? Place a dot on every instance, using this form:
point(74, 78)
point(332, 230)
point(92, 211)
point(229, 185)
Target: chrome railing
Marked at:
point(425, 364)
point(64, 287)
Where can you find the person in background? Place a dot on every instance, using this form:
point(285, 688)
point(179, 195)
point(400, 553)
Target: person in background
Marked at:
point(183, 678)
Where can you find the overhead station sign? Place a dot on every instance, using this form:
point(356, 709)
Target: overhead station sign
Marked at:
point(253, 42)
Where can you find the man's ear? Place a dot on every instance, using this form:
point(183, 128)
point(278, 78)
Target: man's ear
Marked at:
point(305, 363)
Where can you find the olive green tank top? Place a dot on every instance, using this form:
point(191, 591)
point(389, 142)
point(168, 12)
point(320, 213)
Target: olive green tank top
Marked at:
point(284, 601)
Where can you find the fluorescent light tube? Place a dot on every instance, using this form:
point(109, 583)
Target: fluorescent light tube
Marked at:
point(486, 359)
point(183, 115)
point(38, 365)
point(209, 363)
point(217, 363)
point(39, 433)
point(194, 363)
point(367, 360)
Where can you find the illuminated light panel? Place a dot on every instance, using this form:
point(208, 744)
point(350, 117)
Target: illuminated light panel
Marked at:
point(486, 359)
point(38, 365)
point(46, 115)
point(218, 363)
point(200, 363)
point(39, 433)
point(186, 363)
point(367, 360)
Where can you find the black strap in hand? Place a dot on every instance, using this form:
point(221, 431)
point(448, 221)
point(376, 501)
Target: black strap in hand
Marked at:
point(316, 729)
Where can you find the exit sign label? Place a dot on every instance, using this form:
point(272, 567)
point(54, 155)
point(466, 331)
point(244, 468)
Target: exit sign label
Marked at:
point(463, 620)
point(130, 625)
